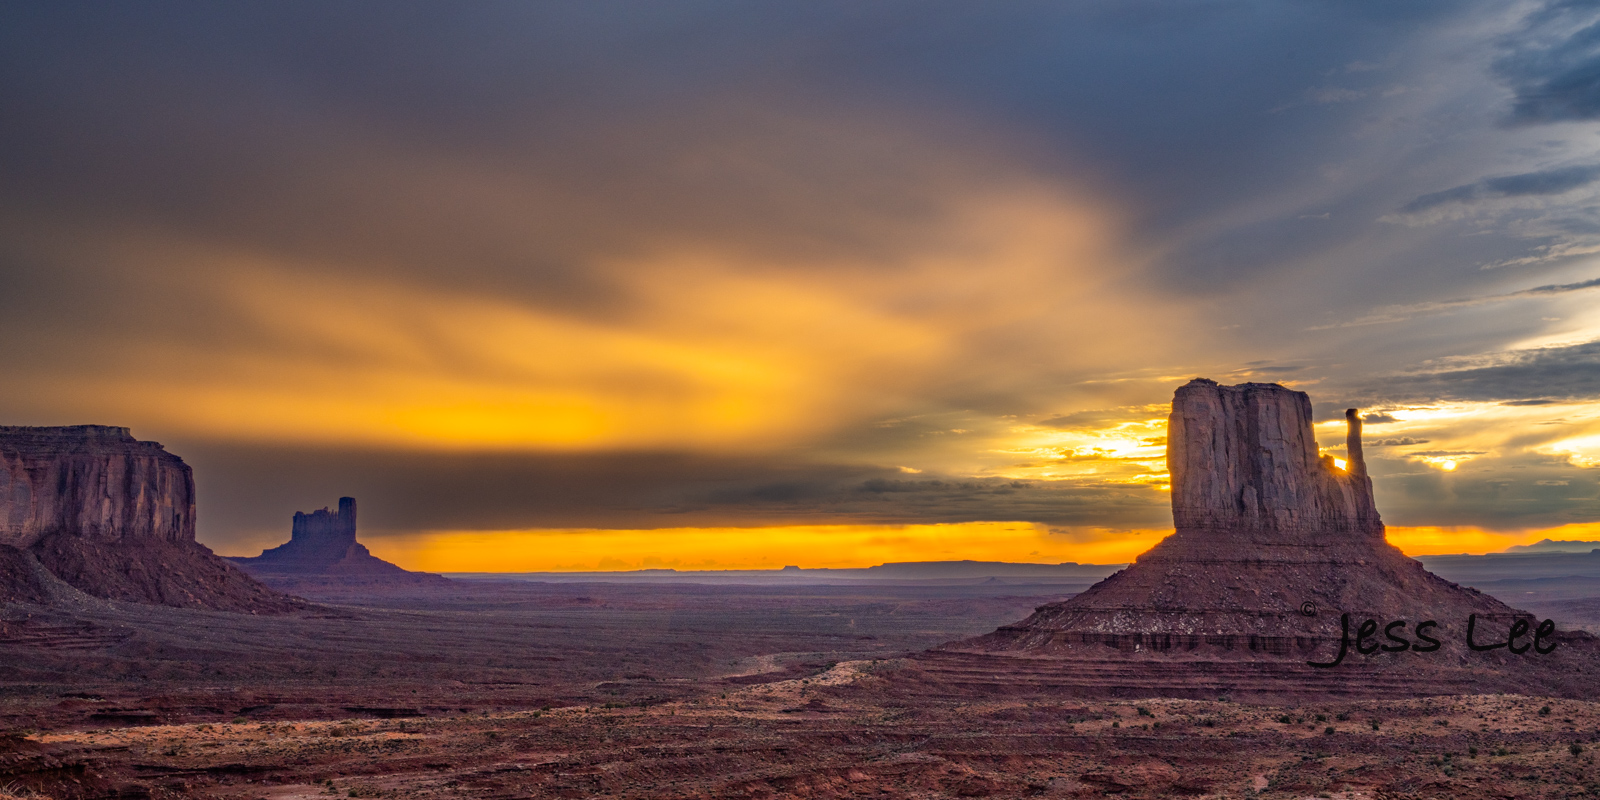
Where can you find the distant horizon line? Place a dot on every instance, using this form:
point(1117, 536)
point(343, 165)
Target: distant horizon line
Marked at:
point(791, 569)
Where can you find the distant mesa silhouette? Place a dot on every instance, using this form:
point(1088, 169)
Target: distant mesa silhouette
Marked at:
point(89, 510)
point(322, 548)
point(1551, 546)
point(1278, 561)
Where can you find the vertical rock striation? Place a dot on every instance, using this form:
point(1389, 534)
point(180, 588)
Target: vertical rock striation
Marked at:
point(95, 482)
point(111, 516)
point(1244, 459)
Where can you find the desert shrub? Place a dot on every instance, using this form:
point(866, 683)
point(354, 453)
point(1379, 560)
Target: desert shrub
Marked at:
point(1544, 712)
point(12, 791)
point(1575, 749)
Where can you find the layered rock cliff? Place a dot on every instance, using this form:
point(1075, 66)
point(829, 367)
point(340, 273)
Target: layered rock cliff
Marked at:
point(112, 517)
point(322, 547)
point(95, 482)
point(1244, 458)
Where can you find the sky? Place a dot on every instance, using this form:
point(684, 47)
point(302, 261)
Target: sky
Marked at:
point(608, 285)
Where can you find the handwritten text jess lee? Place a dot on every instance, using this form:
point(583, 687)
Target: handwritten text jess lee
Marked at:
point(1392, 631)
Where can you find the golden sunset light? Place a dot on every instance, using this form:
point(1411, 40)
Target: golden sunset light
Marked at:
point(816, 546)
point(849, 546)
point(799, 400)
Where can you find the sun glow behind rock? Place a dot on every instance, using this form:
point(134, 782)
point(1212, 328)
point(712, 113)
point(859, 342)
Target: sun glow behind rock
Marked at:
point(1127, 452)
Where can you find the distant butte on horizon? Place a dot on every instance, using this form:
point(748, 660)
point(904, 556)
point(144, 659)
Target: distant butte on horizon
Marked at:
point(322, 548)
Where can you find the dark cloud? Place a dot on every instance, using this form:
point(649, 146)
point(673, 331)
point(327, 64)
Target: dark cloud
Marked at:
point(1525, 377)
point(1399, 312)
point(1553, 65)
point(248, 493)
point(1378, 418)
point(1395, 441)
point(1544, 182)
point(1508, 494)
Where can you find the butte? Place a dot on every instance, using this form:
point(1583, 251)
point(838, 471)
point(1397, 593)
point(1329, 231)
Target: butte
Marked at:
point(322, 551)
point(1278, 561)
point(89, 510)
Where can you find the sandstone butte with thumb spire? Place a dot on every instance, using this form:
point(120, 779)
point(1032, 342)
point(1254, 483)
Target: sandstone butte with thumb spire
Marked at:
point(89, 510)
point(322, 550)
point(1277, 562)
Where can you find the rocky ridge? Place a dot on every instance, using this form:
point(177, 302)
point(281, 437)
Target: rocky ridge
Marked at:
point(90, 509)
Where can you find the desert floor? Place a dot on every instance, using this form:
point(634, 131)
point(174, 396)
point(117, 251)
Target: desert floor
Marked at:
point(574, 690)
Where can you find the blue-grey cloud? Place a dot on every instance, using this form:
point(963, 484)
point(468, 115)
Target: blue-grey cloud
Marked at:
point(1543, 182)
point(1553, 66)
point(1523, 378)
point(1400, 312)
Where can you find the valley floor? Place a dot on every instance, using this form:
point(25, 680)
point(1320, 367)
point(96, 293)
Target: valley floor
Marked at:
point(576, 690)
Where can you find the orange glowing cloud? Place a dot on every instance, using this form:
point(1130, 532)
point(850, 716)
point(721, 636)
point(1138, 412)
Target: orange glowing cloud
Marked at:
point(1430, 540)
point(701, 348)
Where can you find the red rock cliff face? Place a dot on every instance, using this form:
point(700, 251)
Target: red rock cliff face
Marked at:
point(113, 517)
point(91, 481)
point(1244, 458)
